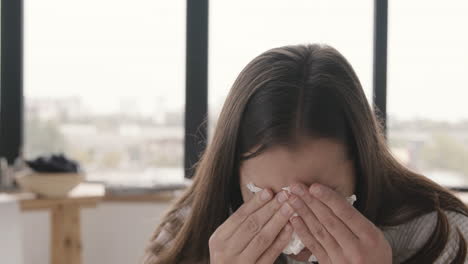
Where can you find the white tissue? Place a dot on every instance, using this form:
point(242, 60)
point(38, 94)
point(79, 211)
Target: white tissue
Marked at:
point(312, 258)
point(253, 188)
point(295, 245)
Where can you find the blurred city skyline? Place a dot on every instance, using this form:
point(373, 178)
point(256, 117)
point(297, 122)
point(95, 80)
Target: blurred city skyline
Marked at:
point(125, 146)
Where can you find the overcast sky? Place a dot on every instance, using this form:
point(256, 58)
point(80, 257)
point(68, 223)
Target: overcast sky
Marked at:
point(103, 50)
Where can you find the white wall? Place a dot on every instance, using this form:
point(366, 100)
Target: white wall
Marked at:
point(114, 233)
point(10, 231)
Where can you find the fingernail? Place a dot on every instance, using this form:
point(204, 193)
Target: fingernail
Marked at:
point(293, 217)
point(315, 189)
point(286, 209)
point(282, 196)
point(312, 258)
point(265, 195)
point(297, 189)
point(295, 202)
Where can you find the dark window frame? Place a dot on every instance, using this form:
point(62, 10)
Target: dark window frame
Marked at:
point(11, 86)
point(379, 80)
point(196, 109)
point(196, 84)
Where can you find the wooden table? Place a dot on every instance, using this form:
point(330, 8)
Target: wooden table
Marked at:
point(66, 245)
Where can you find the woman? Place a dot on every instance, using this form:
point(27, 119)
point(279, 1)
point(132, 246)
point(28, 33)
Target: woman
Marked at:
point(297, 116)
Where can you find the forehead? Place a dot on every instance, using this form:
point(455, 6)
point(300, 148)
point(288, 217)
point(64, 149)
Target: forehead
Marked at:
point(315, 160)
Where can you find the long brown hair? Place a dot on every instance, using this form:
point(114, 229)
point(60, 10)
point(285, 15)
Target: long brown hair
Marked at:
point(312, 90)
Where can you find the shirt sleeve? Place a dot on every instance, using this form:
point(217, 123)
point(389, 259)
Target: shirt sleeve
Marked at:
point(408, 238)
point(457, 222)
point(162, 240)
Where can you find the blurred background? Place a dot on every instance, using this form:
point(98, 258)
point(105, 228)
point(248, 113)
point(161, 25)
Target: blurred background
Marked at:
point(100, 72)
point(124, 87)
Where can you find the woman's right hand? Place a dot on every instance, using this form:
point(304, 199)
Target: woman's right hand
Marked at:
point(256, 233)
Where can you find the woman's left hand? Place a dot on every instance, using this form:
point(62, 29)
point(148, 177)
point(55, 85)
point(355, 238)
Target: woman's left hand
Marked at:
point(333, 230)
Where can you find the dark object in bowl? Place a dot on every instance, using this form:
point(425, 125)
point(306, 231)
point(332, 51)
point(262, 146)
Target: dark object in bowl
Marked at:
point(54, 164)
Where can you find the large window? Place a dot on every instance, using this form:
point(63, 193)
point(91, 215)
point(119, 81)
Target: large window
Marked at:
point(427, 88)
point(104, 82)
point(241, 30)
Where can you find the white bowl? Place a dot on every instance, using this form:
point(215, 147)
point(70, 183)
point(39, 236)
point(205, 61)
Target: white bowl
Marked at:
point(54, 185)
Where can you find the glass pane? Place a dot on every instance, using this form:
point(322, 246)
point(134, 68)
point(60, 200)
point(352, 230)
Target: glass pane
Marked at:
point(104, 82)
point(241, 30)
point(427, 81)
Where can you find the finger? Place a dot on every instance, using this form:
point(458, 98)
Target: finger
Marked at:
point(282, 240)
point(303, 207)
point(337, 229)
point(309, 241)
point(263, 240)
point(227, 229)
point(355, 221)
point(254, 223)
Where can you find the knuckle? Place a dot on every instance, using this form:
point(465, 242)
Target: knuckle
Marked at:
point(319, 232)
point(213, 242)
point(310, 243)
point(304, 211)
point(262, 240)
point(252, 224)
point(330, 222)
point(219, 234)
point(347, 214)
point(372, 238)
point(241, 213)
